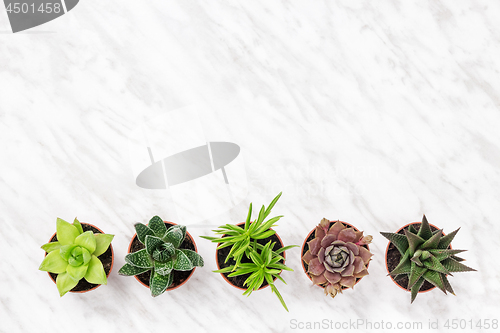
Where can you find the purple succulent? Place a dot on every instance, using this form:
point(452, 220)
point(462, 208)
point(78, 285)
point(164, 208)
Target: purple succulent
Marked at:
point(337, 257)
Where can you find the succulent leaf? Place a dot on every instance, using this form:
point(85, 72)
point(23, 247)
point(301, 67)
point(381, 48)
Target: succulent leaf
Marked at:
point(432, 242)
point(130, 270)
point(415, 274)
point(399, 241)
point(78, 225)
point(102, 243)
point(66, 232)
point(140, 259)
point(425, 230)
point(414, 242)
point(194, 257)
point(164, 268)
point(158, 226)
point(87, 240)
point(416, 287)
point(142, 231)
point(404, 266)
point(159, 283)
point(182, 262)
point(77, 273)
point(95, 272)
point(435, 265)
point(435, 278)
point(454, 266)
point(65, 283)
point(53, 263)
point(447, 285)
point(446, 240)
point(52, 246)
point(443, 254)
point(175, 235)
point(163, 252)
point(152, 242)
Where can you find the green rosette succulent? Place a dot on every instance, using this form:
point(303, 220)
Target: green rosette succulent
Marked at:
point(162, 254)
point(74, 256)
point(426, 256)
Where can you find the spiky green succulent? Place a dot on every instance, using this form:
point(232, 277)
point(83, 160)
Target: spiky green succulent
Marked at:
point(426, 256)
point(162, 254)
point(74, 256)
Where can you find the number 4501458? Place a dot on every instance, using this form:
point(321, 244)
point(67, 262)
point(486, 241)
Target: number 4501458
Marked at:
point(471, 324)
point(20, 7)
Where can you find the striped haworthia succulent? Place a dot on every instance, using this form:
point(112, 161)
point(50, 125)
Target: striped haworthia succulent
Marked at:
point(74, 256)
point(162, 254)
point(426, 256)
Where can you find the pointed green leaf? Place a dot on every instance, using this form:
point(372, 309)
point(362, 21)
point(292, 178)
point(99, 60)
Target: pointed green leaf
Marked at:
point(130, 270)
point(264, 235)
point(53, 263)
point(432, 242)
point(443, 254)
point(65, 283)
point(66, 233)
point(77, 273)
point(249, 216)
point(159, 283)
point(446, 240)
point(457, 258)
point(269, 224)
point(78, 225)
point(447, 284)
point(416, 274)
point(139, 259)
point(158, 226)
point(102, 243)
point(175, 235)
point(163, 252)
point(435, 278)
point(425, 230)
point(416, 288)
point(194, 257)
point(66, 250)
point(399, 241)
point(142, 231)
point(86, 256)
point(52, 246)
point(412, 229)
point(152, 242)
point(275, 290)
point(414, 241)
point(454, 266)
point(87, 240)
point(182, 263)
point(95, 273)
point(271, 205)
point(404, 266)
point(164, 268)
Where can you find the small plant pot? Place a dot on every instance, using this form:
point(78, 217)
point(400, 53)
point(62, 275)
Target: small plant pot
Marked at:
point(107, 259)
point(180, 277)
point(237, 281)
point(305, 248)
point(392, 258)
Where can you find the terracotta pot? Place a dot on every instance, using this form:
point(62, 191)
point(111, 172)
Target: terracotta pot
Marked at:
point(277, 246)
point(79, 288)
point(304, 250)
point(144, 277)
point(433, 227)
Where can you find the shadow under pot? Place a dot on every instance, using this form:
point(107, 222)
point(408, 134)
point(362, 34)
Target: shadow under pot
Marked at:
point(238, 281)
point(393, 257)
point(305, 248)
point(107, 260)
point(179, 277)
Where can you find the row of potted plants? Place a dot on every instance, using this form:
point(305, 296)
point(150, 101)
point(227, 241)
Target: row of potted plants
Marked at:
point(251, 256)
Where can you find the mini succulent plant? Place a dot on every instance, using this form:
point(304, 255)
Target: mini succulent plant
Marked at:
point(337, 257)
point(426, 256)
point(74, 256)
point(261, 262)
point(162, 254)
point(241, 239)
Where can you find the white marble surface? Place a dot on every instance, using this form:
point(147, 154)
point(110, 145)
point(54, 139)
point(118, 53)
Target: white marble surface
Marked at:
point(372, 113)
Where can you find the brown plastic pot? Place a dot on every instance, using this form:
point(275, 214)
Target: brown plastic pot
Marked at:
point(303, 251)
point(264, 241)
point(185, 275)
point(434, 228)
point(83, 282)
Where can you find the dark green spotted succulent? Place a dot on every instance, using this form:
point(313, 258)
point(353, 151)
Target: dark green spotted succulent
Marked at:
point(161, 254)
point(426, 256)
